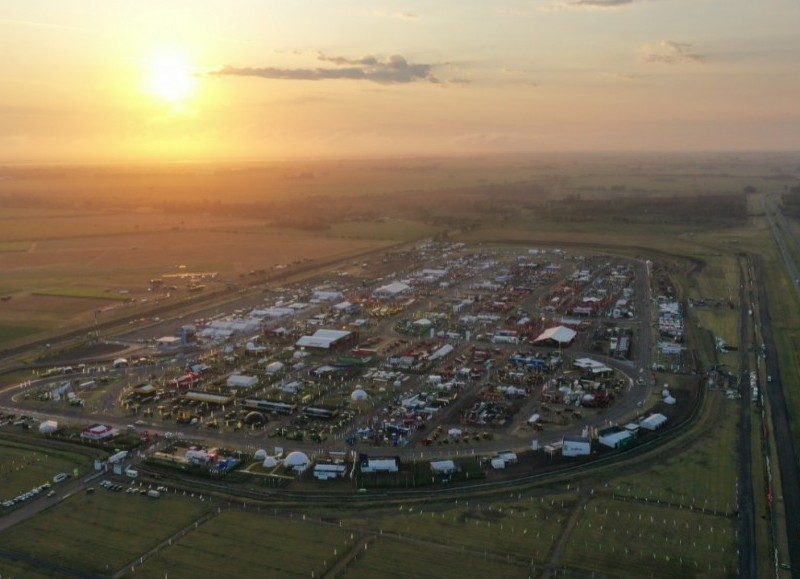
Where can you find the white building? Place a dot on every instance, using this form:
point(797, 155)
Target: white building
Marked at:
point(443, 467)
point(576, 446)
point(324, 339)
point(653, 422)
point(241, 381)
point(391, 290)
point(329, 471)
point(390, 464)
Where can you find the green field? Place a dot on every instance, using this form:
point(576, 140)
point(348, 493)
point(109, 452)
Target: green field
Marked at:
point(252, 544)
point(703, 476)
point(389, 558)
point(20, 569)
point(81, 292)
point(389, 230)
point(10, 333)
point(529, 526)
point(620, 539)
point(103, 531)
point(26, 466)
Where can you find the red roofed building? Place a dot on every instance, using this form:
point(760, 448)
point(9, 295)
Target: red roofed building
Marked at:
point(99, 432)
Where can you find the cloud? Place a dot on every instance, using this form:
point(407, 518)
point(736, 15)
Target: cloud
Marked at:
point(367, 60)
point(394, 70)
point(669, 52)
point(601, 3)
point(398, 15)
point(589, 4)
point(625, 76)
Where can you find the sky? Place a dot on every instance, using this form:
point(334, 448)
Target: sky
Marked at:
point(116, 81)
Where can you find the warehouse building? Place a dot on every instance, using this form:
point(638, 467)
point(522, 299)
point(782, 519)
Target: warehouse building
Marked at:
point(327, 340)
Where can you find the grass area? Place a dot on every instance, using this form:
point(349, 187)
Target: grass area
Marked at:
point(763, 547)
point(721, 322)
point(26, 466)
point(530, 525)
point(785, 315)
point(704, 476)
point(620, 539)
point(389, 558)
point(21, 569)
point(101, 531)
point(81, 292)
point(391, 230)
point(237, 544)
point(10, 333)
point(14, 246)
point(418, 474)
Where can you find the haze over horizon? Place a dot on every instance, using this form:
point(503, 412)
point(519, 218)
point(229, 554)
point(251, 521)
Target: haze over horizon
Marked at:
point(146, 81)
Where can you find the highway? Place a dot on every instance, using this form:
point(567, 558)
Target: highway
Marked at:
point(747, 509)
point(784, 447)
point(778, 224)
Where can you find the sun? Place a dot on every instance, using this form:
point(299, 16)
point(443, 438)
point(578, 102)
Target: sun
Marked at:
point(171, 77)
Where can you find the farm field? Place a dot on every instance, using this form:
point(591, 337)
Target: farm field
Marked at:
point(386, 558)
point(703, 476)
point(60, 283)
point(621, 539)
point(125, 525)
point(14, 246)
point(12, 332)
point(527, 527)
point(266, 546)
point(26, 466)
point(19, 568)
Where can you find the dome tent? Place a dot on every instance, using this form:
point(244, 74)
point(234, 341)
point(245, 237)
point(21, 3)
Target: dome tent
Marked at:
point(255, 418)
point(359, 395)
point(297, 461)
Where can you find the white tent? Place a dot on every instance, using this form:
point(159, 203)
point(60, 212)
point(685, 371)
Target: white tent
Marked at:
point(48, 427)
point(391, 290)
point(559, 334)
point(241, 381)
point(297, 461)
point(274, 367)
point(653, 422)
point(359, 395)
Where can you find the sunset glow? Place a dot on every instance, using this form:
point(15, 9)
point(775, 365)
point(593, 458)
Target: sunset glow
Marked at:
point(171, 78)
point(323, 79)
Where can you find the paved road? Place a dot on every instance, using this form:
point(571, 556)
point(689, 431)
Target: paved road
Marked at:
point(747, 508)
point(784, 447)
point(787, 458)
point(41, 503)
point(778, 223)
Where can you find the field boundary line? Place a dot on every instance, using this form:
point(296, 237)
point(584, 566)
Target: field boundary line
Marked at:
point(669, 505)
point(46, 564)
point(344, 562)
point(166, 543)
point(566, 532)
